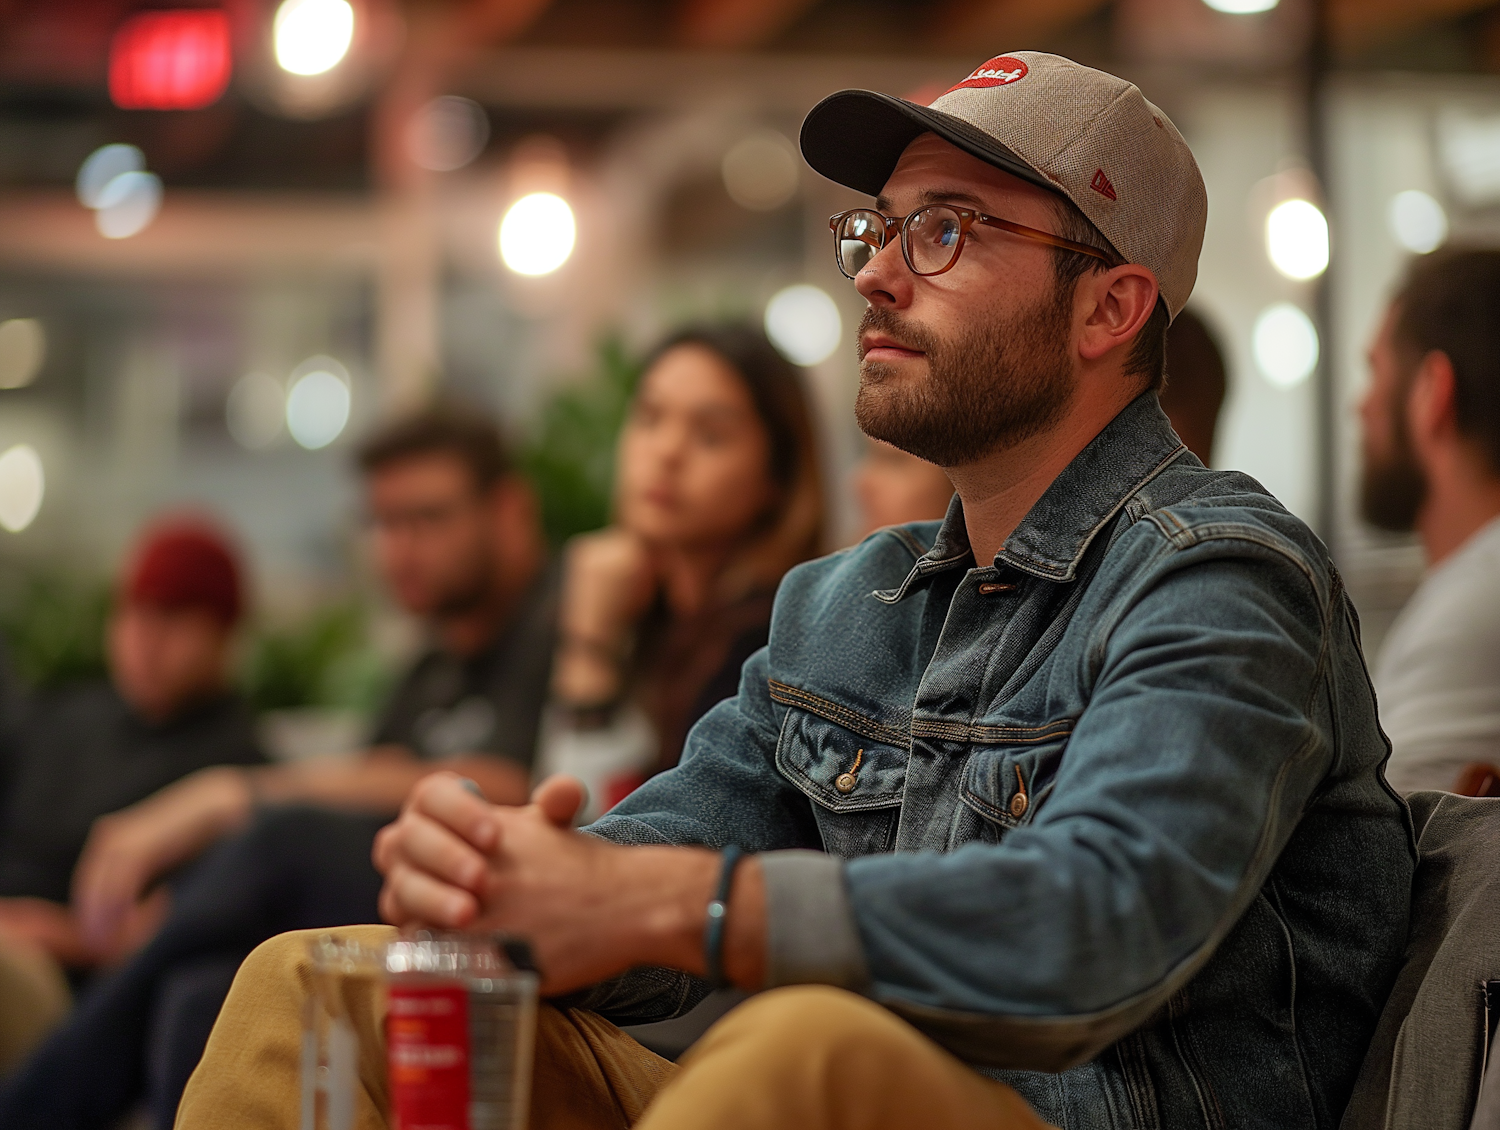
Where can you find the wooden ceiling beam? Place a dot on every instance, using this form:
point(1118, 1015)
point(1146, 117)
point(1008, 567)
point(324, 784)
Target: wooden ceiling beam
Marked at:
point(984, 28)
point(1360, 24)
point(735, 25)
point(494, 22)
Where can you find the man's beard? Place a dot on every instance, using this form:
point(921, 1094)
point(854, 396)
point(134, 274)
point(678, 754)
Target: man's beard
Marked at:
point(1392, 486)
point(470, 593)
point(997, 384)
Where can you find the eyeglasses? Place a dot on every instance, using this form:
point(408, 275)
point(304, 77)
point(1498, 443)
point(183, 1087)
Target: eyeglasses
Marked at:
point(931, 237)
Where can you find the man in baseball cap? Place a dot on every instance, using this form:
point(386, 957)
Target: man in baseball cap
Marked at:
point(1064, 810)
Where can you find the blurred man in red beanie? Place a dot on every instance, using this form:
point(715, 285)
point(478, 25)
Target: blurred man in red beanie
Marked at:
point(83, 752)
point(170, 636)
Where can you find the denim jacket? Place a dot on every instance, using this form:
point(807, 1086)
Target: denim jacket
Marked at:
point(1104, 816)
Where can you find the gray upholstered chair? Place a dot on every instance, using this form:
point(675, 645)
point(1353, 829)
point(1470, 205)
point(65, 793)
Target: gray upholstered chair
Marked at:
point(1428, 1060)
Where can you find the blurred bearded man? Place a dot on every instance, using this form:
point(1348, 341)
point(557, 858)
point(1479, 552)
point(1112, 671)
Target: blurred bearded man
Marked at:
point(1432, 464)
point(1038, 815)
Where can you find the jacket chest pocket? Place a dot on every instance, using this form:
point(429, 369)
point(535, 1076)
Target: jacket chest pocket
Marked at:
point(1007, 784)
point(854, 782)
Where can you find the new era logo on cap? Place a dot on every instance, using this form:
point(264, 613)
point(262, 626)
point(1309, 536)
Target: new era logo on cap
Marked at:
point(1002, 70)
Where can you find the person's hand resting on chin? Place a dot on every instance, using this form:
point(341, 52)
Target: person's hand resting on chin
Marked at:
point(590, 909)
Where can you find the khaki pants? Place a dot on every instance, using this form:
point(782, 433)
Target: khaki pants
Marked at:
point(34, 998)
point(807, 1056)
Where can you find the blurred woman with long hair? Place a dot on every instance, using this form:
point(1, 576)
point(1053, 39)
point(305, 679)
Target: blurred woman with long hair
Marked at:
point(717, 495)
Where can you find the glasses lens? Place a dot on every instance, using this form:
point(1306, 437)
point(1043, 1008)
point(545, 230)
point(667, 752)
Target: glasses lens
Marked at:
point(859, 236)
point(932, 237)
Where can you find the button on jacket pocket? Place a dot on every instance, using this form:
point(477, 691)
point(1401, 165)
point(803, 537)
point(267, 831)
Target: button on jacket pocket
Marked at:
point(840, 769)
point(1007, 784)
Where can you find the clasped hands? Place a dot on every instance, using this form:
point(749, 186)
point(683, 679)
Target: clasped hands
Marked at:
point(589, 909)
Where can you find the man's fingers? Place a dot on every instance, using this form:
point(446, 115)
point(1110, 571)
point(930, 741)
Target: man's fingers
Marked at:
point(429, 846)
point(387, 843)
point(98, 897)
point(414, 895)
point(559, 797)
point(443, 797)
point(391, 910)
point(99, 921)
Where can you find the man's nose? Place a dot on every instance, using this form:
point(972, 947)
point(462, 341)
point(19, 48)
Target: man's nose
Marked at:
point(886, 280)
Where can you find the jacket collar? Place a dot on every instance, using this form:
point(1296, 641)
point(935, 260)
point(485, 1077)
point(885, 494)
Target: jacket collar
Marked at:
point(1051, 540)
point(1132, 450)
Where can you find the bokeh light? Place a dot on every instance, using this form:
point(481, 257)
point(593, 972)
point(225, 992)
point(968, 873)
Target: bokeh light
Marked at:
point(1417, 221)
point(1285, 344)
point(22, 485)
point(803, 323)
point(255, 411)
point(170, 60)
point(537, 234)
point(1297, 239)
point(1242, 7)
point(1469, 148)
point(23, 348)
point(128, 204)
point(312, 36)
point(317, 402)
point(761, 171)
point(448, 133)
point(104, 165)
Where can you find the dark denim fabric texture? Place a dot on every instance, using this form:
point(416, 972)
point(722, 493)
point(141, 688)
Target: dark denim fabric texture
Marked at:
point(1118, 832)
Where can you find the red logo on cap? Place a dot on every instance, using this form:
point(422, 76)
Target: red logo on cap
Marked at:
point(1002, 70)
point(1101, 185)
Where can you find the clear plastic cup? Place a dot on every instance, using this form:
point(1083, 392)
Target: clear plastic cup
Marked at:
point(348, 981)
point(460, 1028)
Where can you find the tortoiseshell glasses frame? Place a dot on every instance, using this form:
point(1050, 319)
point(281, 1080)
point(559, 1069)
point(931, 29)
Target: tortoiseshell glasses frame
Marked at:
point(931, 238)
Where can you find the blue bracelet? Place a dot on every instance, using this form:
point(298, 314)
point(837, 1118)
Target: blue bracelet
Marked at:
point(718, 910)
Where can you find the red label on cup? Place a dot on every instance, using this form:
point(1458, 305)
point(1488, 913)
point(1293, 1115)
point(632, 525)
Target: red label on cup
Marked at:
point(427, 1051)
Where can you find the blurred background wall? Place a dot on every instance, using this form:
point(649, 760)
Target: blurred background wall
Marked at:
point(233, 235)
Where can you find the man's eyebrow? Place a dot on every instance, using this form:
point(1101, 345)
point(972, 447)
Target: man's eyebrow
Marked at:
point(950, 196)
point(936, 196)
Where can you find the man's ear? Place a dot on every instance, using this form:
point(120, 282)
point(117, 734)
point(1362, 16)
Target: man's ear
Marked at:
point(1116, 304)
point(1431, 403)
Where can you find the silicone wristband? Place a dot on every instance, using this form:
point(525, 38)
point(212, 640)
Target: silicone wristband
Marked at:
point(718, 911)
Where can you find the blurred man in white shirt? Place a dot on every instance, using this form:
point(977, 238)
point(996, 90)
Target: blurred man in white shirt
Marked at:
point(1432, 464)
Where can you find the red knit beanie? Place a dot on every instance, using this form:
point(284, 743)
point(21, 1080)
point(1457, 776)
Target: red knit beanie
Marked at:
point(185, 563)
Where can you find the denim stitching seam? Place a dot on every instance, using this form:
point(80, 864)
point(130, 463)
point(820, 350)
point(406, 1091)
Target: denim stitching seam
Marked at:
point(981, 734)
point(840, 715)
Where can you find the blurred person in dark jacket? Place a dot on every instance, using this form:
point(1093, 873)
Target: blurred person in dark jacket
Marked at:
point(457, 539)
point(77, 754)
point(717, 494)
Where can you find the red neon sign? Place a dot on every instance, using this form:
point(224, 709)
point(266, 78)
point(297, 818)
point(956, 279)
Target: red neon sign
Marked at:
point(172, 60)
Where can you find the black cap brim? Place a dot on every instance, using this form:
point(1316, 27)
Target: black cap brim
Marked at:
point(855, 137)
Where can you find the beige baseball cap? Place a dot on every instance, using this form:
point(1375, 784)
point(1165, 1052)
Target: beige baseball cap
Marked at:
point(1071, 129)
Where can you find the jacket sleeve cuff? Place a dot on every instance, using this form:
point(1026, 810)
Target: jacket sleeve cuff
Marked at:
point(811, 938)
